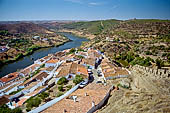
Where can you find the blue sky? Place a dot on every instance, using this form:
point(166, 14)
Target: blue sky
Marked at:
point(11, 10)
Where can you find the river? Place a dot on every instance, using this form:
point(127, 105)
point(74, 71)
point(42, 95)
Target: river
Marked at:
point(26, 61)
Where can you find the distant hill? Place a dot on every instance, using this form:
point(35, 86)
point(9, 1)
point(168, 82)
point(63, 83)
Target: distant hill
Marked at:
point(23, 28)
point(100, 26)
point(53, 24)
point(93, 27)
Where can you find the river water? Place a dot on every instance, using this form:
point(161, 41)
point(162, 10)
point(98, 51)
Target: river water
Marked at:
point(26, 61)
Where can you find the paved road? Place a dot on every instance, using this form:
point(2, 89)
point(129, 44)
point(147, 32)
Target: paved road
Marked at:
point(95, 75)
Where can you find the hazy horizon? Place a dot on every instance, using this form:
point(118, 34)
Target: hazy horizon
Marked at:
point(86, 10)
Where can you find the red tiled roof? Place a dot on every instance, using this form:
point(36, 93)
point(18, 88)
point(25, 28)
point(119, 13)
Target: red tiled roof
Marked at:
point(95, 93)
point(29, 69)
point(82, 69)
point(9, 77)
point(89, 61)
point(4, 99)
point(20, 103)
point(71, 68)
point(109, 69)
point(52, 61)
point(40, 76)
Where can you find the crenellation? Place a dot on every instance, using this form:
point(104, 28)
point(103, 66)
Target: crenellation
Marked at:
point(157, 73)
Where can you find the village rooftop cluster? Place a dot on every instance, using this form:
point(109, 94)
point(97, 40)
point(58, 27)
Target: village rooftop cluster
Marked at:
point(44, 75)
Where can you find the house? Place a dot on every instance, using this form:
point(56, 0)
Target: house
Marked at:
point(4, 100)
point(38, 77)
point(69, 70)
point(93, 54)
point(3, 49)
point(59, 54)
point(9, 78)
point(36, 37)
point(45, 39)
point(89, 62)
point(48, 69)
point(51, 63)
point(83, 54)
point(110, 70)
point(39, 61)
point(63, 70)
point(28, 70)
point(82, 70)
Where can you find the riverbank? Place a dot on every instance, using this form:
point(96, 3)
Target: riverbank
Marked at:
point(22, 55)
point(79, 34)
point(27, 60)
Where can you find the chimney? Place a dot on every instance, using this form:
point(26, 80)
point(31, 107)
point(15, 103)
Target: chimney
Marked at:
point(74, 98)
point(93, 104)
point(64, 111)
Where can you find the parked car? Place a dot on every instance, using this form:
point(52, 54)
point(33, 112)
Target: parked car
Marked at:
point(84, 83)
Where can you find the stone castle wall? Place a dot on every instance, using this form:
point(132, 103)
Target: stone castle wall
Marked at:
point(156, 73)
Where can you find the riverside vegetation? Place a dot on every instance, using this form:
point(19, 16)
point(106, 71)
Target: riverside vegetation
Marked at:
point(24, 41)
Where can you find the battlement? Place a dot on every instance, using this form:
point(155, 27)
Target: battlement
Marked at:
point(156, 73)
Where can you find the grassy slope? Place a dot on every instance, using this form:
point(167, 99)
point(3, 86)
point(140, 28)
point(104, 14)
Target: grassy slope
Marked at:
point(93, 27)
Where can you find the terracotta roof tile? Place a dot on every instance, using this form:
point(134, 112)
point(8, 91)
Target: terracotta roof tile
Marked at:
point(4, 99)
point(52, 61)
point(95, 92)
point(9, 77)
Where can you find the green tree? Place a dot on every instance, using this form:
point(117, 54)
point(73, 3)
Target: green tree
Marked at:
point(78, 79)
point(43, 95)
point(5, 109)
point(72, 50)
point(60, 88)
point(33, 102)
point(159, 63)
point(62, 81)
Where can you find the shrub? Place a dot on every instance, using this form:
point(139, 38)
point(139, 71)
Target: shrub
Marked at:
point(69, 87)
point(72, 50)
point(78, 79)
point(124, 63)
point(5, 109)
point(81, 57)
point(43, 95)
point(33, 102)
point(16, 110)
point(59, 94)
point(28, 109)
point(148, 53)
point(123, 86)
point(62, 81)
point(159, 63)
point(60, 88)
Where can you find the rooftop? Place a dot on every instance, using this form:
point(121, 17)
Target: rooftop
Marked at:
point(4, 99)
point(71, 68)
point(95, 93)
point(9, 77)
point(89, 61)
point(111, 70)
point(29, 69)
point(52, 61)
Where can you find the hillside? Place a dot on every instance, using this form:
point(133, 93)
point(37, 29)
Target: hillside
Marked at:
point(20, 39)
point(144, 42)
point(92, 27)
point(24, 28)
point(146, 38)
